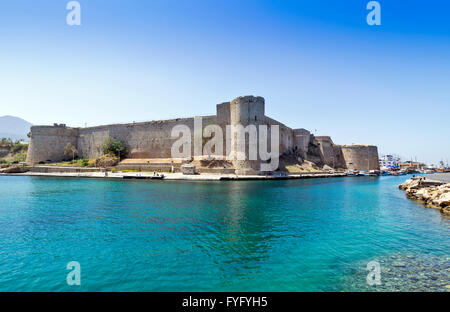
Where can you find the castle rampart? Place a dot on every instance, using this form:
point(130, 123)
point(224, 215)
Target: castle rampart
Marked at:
point(361, 157)
point(48, 142)
point(150, 140)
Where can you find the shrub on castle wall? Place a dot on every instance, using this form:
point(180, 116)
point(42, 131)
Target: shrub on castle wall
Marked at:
point(114, 147)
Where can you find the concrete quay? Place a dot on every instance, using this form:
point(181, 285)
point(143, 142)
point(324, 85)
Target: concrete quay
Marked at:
point(174, 176)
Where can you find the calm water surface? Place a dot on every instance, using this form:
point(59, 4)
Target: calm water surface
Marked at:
point(296, 235)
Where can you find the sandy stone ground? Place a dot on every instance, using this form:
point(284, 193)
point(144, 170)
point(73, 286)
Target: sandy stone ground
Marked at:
point(443, 177)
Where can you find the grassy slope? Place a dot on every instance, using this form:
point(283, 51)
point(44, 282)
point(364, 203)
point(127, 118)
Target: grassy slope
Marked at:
point(17, 153)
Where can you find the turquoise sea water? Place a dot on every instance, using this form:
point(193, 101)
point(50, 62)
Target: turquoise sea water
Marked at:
point(293, 235)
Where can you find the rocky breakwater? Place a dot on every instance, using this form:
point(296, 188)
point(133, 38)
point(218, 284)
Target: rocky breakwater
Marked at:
point(429, 192)
point(14, 169)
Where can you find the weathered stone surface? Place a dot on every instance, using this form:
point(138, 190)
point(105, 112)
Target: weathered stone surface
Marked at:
point(446, 210)
point(443, 200)
point(189, 169)
point(331, 154)
point(48, 143)
point(15, 169)
point(106, 161)
point(361, 157)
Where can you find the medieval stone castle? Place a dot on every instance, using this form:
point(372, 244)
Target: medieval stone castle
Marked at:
point(152, 140)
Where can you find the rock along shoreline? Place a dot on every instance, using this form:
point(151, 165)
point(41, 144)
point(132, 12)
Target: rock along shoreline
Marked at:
point(433, 193)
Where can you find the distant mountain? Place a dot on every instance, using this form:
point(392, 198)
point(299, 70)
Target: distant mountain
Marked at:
point(14, 128)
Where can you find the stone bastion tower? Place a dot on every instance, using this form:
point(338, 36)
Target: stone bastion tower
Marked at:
point(246, 111)
point(361, 157)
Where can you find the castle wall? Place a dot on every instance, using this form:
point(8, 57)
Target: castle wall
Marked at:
point(327, 150)
point(313, 152)
point(361, 157)
point(153, 139)
point(331, 154)
point(48, 143)
point(223, 113)
point(286, 137)
point(223, 119)
point(143, 140)
point(245, 111)
point(302, 138)
point(339, 157)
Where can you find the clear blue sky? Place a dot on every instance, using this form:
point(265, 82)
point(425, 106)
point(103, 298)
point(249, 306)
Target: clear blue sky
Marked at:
point(317, 63)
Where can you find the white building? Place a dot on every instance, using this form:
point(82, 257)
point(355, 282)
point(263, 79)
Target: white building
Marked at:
point(388, 161)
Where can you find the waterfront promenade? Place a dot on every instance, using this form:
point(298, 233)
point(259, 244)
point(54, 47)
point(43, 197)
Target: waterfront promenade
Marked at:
point(441, 177)
point(175, 176)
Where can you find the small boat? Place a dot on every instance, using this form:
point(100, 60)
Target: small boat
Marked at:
point(352, 173)
point(134, 177)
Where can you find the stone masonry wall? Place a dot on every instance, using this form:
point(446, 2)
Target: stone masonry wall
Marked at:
point(331, 153)
point(302, 138)
point(143, 140)
point(361, 157)
point(48, 143)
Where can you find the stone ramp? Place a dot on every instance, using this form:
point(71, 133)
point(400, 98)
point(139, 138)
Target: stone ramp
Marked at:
point(440, 177)
point(166, 165)
point(159, 164)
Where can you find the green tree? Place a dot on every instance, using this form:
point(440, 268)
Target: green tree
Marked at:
point(115, 147)
point(6, 142)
